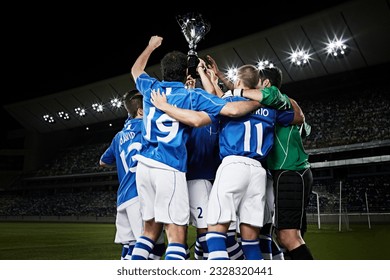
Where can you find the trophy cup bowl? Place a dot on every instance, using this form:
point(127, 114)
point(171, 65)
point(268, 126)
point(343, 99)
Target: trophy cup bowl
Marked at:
point(194, 27)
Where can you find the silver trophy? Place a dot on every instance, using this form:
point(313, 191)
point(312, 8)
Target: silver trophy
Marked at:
point(194, 27)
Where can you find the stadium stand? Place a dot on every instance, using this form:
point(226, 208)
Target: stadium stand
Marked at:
point(349, 144)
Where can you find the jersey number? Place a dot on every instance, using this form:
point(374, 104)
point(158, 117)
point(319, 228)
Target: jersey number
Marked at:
point(134, 146)
point(170, 129)
point(248, 132)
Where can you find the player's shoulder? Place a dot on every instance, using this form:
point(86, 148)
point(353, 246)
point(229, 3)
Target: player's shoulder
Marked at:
point(198, 90)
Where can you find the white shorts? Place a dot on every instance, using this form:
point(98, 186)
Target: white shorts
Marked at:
point(238, 191)
point(198, 192)
point(269, 208)
point(129, 224)
point(163, 195)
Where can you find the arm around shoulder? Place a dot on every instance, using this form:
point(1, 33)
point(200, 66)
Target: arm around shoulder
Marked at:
point(186, 116)
point(239, 108)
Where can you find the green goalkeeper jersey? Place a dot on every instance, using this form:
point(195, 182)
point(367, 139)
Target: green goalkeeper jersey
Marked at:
point(288, 152)
point(273, 98)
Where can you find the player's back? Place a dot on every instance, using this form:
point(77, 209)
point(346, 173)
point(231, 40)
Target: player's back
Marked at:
point(123, 147)
point(288, 139)
point(203, 152)
point(252, 135)
point(164, 138)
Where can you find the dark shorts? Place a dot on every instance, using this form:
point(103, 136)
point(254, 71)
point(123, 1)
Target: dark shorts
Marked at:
point(292, 190)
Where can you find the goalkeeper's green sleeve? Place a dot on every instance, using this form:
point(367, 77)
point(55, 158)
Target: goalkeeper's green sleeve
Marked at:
point(273, 98)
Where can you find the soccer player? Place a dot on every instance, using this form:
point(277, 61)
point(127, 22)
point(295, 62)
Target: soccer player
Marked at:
point(125, 144)
point(268, 245)
point(293, 179)
point(203, 162)
point(289, 163)
point(239, 187)
point(292, 176)
point(162, 162)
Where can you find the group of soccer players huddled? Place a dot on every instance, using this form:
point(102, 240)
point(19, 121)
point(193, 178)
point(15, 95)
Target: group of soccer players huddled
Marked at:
point(230, 163)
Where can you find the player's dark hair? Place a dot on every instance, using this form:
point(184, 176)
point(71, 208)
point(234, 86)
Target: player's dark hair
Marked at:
point(133, 100)
point(274, 75)
point(174, 67)
point(249, 75)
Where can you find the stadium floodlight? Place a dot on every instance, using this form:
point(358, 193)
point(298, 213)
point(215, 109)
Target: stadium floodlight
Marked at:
point(300, 58)
point(48, 118)
point(80, 111)
point(63, 115)
point(98, 107)
point(231, 74)
point(337, 48)
point(262, 64)
point(116, 102)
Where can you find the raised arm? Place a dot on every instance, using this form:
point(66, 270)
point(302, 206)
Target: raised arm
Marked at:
point(214, 80)
point(213, 66)
point(210, 81)
point(205, 77)
point(140, 64)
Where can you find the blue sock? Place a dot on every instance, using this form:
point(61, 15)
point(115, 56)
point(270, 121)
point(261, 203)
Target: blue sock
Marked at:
point(238, 237)
point(203, 246)
point(216, 242)
point(125, 249)
point(157, 252)
point(175, 251)
point(129, 250)
point(198, 251)
point(277, 252)
point(233, 247)
point(142, 248)
point(265, 246)
point(251, 249)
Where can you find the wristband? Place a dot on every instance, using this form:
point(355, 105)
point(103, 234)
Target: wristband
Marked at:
point(229, 93)
point(238, 92)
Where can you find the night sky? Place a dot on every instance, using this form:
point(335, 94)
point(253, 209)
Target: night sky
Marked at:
point(47, 49)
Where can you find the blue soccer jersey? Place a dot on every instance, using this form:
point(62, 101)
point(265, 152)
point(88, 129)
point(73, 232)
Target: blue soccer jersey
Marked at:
point(203, 152)
point(124, 146)
point(252, 135)
point(164, 138)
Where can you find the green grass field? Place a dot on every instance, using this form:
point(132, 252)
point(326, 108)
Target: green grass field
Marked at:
point(75, 241)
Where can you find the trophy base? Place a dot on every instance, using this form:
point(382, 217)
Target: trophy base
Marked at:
point(192, 52)
point(192, 63)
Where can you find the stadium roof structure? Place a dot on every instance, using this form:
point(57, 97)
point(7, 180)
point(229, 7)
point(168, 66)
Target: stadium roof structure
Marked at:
point(363, 24)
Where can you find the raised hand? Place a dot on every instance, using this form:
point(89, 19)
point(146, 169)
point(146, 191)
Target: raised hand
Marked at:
point(202, 63)
point(155, 41)
point(190, 83)
point(212, 64)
